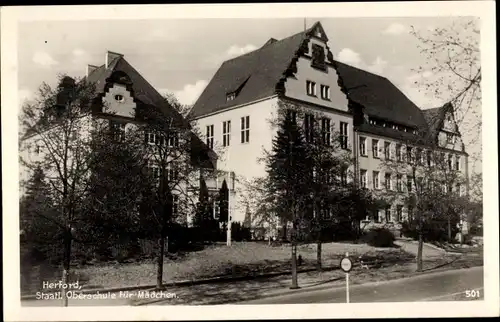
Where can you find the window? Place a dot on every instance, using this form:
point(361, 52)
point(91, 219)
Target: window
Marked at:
point(292, 115)
point(458, 189)
point(457, 162)
point(309, 127)
point(388, 181)
point(399, 213)
point(117, 130)
point(388, 217)
point(119, 98)
point(418, 155)
point(343, 176)
point(376, 216)
point(325, 92)
point(173, 140)
point(450, 161)
point(375, 148)
point(318, 57)
point(409, 183)
point(399, 155)
point(172, 173)
point(409, 156)
point(210, 136)
point(230, 97)
point(362, 146)
point(450, 138)
point(343, 135)
point(363, 178)
point(399, 184)
point(429, 158)
point(245, 129)
point(325, 131)
point(376, 179)
point(175, 204)
point(226, 132)
point(151, 137)
point(154, 170)
point(410, 213)
point(311, 88)
point(419, 184)
point(387, 150)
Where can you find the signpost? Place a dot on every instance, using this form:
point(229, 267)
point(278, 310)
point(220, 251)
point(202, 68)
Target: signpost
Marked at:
point(346, 266)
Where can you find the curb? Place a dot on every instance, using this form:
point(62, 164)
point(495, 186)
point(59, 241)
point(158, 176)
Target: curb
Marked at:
point(314, 288)
point(220, 279)
point(336, 288)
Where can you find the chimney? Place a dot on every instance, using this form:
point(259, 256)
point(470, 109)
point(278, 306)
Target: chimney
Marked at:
point(110, 56)
point(90, 69)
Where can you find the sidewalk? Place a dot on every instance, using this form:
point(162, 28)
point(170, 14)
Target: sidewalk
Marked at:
point(211, 294)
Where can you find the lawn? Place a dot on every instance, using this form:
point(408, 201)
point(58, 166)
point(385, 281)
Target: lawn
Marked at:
point(245, 258)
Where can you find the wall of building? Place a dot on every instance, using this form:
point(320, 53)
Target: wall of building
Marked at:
point(242, 158)
point(371, 164)
point(33, 149)
point(296, 86)
point(123, 107)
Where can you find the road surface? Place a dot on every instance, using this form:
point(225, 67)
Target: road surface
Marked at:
point(439, 286)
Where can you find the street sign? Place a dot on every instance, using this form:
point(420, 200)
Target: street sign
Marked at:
point(346, 264)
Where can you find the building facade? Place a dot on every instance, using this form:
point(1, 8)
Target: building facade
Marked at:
point(121, 98)
point(375, 119)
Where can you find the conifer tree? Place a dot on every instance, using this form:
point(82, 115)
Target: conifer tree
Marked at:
point(286, 168)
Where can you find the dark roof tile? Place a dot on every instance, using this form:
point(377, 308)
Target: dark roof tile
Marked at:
point(263, 68)
point(379, 96)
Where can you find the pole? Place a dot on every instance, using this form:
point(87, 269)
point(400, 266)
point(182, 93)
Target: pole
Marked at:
point(228, 242)
point(347, 283)
point(347, 287)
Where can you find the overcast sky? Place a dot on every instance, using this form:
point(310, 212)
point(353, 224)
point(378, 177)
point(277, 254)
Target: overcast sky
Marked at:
point(181, 55)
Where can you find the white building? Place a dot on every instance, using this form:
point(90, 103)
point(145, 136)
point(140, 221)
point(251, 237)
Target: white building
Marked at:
point(234, 110)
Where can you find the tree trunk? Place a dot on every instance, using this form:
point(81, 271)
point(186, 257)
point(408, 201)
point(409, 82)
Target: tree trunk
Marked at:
point(66, 263)
point(318, 255)
point(449, 228)
point(159, 272)
point(419, 251)
point(294, 266)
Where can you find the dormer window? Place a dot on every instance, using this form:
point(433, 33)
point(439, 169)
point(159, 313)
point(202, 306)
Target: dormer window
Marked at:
point(230, 97)
point(318, 57)
point(119, 98)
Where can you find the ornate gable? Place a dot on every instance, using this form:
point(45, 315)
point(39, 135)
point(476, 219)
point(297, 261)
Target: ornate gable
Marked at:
point(317, 31)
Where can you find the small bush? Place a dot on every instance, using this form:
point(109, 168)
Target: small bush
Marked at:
point(379, 237)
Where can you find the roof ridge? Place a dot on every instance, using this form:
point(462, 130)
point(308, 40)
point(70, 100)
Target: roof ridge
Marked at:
point(361, 69)
point(265, 47)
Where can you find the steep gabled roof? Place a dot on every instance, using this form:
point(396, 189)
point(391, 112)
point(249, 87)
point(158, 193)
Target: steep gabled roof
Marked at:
point(142, 90)
point(265, 67)
point(379, 96)
point(262, 67)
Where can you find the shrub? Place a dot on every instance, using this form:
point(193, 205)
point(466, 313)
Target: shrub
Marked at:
point(379, 237)
point(434, 231)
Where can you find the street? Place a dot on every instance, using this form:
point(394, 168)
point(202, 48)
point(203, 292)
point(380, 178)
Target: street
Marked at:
point(439, 286)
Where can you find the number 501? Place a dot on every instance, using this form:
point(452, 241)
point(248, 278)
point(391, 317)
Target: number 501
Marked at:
point(472, 293)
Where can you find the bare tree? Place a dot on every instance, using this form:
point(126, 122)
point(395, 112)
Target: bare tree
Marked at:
point(428, 182)
point(176, 158)
point(59, 131)
point(452, 56)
